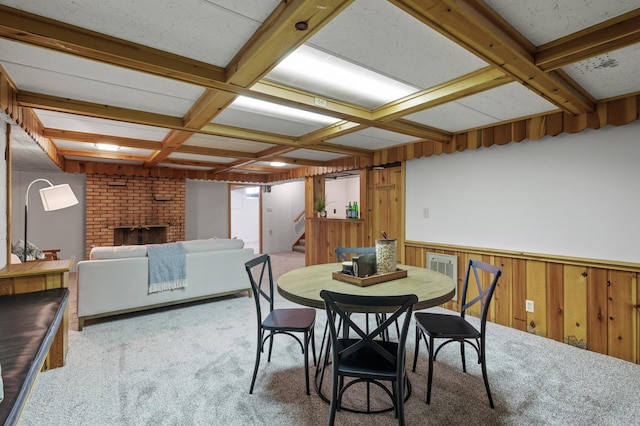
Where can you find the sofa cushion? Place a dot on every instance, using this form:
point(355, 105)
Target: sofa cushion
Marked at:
point(213, 244)
point(118, 252)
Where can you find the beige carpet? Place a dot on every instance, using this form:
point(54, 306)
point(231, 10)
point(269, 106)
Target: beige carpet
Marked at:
point(192, 365)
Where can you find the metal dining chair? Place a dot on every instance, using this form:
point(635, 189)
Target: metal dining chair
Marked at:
point(278, 321)
point(362, 355)
point(455, 328)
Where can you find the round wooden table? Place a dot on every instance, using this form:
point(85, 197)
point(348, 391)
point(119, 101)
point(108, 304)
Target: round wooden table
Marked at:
point(303, 286)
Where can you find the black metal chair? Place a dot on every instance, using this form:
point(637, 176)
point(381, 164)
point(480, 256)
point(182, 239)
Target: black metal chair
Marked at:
point(455, 328)
point(363, 355)
point(278, 321)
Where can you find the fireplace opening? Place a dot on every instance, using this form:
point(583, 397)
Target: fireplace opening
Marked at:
point(152, 234)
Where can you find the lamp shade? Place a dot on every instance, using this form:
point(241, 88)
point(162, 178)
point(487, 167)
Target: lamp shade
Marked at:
point(57, 197)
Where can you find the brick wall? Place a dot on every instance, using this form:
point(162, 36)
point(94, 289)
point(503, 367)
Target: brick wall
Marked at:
point(131, 201)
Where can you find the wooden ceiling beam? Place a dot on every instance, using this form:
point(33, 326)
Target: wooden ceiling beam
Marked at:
point(466, 85)
point(39, 31)
point(340, 128)
point(616, 33)
point(475, 26)
point(68, 135)
point(71, 106)
point(347, 113)
point(215, 152)
point(100, 155)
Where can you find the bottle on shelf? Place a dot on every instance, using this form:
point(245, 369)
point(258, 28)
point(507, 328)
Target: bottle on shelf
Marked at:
point(349, 210)
point(355, 210)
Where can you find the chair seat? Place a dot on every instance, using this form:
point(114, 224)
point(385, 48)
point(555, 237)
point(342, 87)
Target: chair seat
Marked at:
point(366, 362)
point(296, 319)
point(446, 326)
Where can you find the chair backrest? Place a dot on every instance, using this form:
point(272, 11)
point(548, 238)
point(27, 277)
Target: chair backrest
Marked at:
point(261, 279)
point(476, 269)
point(339, 308)
point(344, 254)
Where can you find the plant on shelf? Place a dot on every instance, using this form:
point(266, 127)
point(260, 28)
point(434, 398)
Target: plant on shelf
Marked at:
point(320, 207)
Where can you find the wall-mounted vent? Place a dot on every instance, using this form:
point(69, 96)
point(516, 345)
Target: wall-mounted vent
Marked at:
point(446, 264)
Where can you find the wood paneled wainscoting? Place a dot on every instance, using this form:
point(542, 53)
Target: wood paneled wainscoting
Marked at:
point(324, 235)
point(588, 303)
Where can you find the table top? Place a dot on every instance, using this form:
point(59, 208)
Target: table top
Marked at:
point(303, 285)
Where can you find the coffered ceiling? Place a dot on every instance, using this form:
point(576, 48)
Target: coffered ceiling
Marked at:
point(227, 87)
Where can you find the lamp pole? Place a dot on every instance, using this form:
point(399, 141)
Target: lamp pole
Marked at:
point(26, 214)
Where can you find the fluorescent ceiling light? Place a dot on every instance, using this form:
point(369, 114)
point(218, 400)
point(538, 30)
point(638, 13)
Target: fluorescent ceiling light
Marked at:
point(271, 109)
point(277, 164)
point(106, 147)
point(312, 68)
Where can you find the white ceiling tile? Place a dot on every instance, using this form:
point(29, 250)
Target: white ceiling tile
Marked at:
point(381, 37)
point(492, 106)
point(76, 123)
point(542, 21)
point(372, 138)
point(207, 30)
point(508, 102)
point(255, 121)
point(58, 74)
point(611, 74)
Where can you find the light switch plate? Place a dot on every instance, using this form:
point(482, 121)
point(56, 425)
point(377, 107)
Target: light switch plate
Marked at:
point(529, 306)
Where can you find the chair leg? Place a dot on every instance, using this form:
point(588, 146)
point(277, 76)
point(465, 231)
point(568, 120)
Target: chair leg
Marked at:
point(255, 368)
point(270, 345)
point(334, 398)
point(486, 378)
point(400, 401)
point(313, 346)
point(464, 361)
point(415, 354)
point(430, 374)
point(306, 360)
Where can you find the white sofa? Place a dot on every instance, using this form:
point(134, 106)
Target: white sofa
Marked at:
point(116, 279)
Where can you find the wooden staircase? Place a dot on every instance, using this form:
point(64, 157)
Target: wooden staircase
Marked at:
point(299, 245)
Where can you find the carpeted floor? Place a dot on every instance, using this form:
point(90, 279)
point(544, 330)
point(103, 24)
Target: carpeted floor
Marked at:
point(192, 366)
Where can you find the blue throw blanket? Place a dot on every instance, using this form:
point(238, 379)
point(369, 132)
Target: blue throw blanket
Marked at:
point(167, 267)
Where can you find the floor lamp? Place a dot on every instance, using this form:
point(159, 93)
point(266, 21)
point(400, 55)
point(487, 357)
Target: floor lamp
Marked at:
point(54, 197)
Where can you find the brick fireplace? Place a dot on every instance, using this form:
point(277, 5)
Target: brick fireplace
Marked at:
point(137, 205)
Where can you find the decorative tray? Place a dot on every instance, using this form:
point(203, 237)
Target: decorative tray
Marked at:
point(371, 279)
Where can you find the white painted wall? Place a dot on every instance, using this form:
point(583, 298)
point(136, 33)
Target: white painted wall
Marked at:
point(61, 229)
point(574, 195)
point(207, 210)
point(279, 208)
